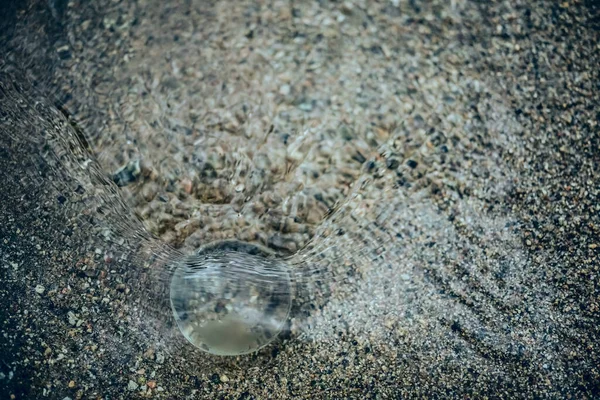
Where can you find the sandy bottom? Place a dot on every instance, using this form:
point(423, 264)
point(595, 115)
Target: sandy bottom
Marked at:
point(428, 169)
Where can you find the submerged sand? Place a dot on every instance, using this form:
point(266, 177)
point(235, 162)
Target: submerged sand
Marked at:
point(466, 267)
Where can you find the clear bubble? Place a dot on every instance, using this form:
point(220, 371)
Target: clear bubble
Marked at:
point(231, 298)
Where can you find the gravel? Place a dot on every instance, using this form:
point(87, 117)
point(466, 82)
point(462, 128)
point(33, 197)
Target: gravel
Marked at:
point(438, 158)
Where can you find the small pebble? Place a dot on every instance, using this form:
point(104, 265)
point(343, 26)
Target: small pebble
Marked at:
point(392, 163)
point(39, 289)
point(284, 90)
point(132, 385)
point(72, 318)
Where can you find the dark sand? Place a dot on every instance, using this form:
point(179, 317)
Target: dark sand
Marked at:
point(470, 268)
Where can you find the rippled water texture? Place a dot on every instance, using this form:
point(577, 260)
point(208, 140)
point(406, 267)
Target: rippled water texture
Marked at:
point(328, 192)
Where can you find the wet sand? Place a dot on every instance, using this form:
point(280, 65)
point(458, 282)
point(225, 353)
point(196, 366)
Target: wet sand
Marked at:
point(468, 268)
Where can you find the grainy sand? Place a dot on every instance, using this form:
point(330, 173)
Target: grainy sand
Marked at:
point(466, 267)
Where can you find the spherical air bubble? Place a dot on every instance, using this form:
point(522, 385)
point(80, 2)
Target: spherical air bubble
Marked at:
point(231, 298)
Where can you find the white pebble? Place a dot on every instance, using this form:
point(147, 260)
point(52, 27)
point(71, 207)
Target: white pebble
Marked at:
point(284, 90)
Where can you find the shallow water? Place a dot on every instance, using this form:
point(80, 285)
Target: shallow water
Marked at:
point(372, 167)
